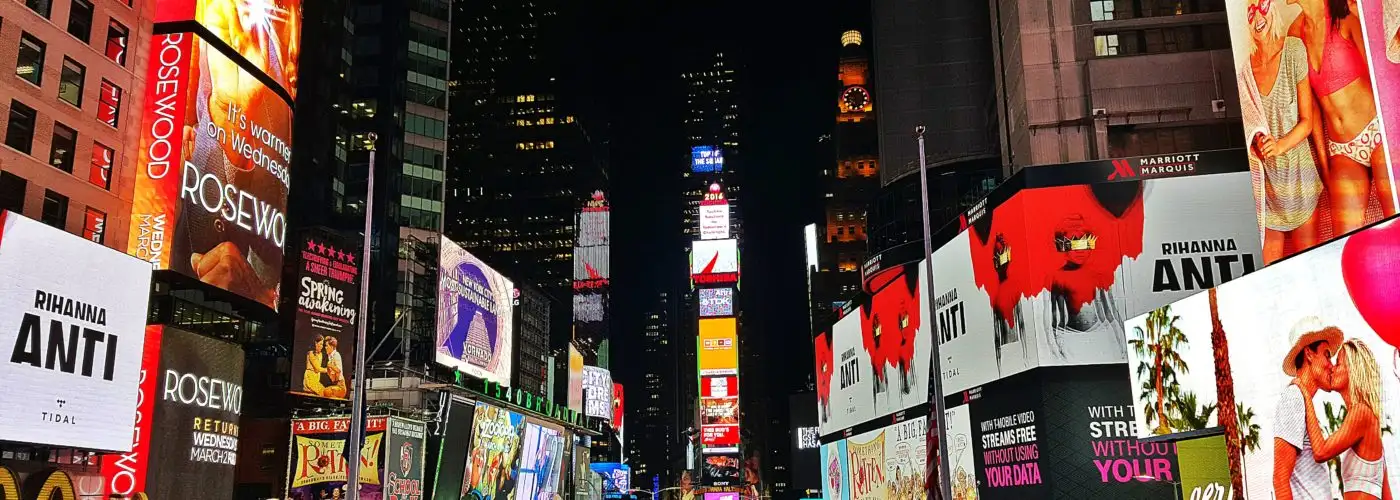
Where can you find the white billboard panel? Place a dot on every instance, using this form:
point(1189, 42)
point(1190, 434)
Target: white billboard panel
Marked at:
point(714, 220)
point(714, 257)
point(474, 316)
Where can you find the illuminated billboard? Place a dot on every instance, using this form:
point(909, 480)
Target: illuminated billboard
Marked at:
point(494, 454)
point(716, 302)
point(719, 346)
point(719, 386)
point(1320, 152)
point(597, 392)
point(588, 308)
point(474, 320)
point(714, 261)
point(72, 317)
point(327, 307)
point(210, 195)
point(265, 32)
point(706, 159)
point(318, 467)
point(714, 214)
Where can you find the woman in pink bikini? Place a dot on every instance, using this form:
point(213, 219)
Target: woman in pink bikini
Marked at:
point(1340, 77)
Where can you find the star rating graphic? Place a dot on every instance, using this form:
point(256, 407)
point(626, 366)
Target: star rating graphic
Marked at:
point(321, 248)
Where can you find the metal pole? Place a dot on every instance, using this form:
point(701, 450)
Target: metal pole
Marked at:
point(357, 416)
point(939, 406)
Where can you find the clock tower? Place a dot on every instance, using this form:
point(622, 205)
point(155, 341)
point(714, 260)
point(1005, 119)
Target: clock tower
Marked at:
point(854, 102)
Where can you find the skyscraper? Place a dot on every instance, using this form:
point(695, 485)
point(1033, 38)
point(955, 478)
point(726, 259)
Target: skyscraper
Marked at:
point(656, 422)
point(522, 160)
point(712, 131)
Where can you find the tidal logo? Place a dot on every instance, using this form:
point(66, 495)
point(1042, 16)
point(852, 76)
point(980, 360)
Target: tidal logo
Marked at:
point(57, 417)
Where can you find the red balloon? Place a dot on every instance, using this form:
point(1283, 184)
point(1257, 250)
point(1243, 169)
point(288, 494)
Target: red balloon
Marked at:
point(1371, 271)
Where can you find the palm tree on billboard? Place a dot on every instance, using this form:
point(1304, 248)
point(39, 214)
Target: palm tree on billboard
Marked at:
point(1225, 389)
point(1157, 347)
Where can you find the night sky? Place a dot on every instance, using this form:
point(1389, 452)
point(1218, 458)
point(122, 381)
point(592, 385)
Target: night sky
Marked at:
point(630, 57)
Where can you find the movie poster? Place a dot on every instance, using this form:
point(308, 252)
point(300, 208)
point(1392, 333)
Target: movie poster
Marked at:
point(210, 195)
point(835, 480)
point(494, 459)
point(541, 466)
point(195, 428)
point(1318, 94)
point(403, 459)
point(318, 469)
point(474, 316)
point(328, 301)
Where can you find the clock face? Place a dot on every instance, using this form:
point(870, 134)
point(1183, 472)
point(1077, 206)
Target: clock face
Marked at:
point(855, 98)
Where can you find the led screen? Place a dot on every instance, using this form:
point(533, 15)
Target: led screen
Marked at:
point(210, 195)
point(327, 308)
point(888, 463)
point(714, 261)
point(318, 469)
point(719, 346)
point(1322, 167)
point(541, 462)
point(265, 32)
point(403, 459)
point(597, 392)
point(716, 302)
point(706, 159)
point(720, 470)
point(495, 452)
point(72, 315)
point(807, 438)
point(617, 478)
point(714, 219)
point(198, 401)
point(723, 386)
point(575, 379)
point(474, 316)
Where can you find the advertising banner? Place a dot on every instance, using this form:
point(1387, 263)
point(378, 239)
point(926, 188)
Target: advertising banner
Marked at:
point(194, 440)
point(328, 301)
point(495, 453)
point(72, 318)
point(591, 264)
point(706, 159)
point(318, 469)
point(835, 480)
point(866, 461)
point(723, 495)
point(716, 302)
point(575, 379)
point(720, 470)
point(594, 223)
point(1171, 364)
point(1321, 112)
point(211, 203)
point(1056, 270)
point(617, 478)
point(714, 261)
point(618, 412)
point(885, 464)
point(404, 446)
point(597, 392)
point(878, 359)
point(1205, 468)
point(719, 346)
point(722, 386)
point(541, 465)
point(714, 219)
point(715, 437)
point(474, 320)
point(269, 37)
point(1305, 352)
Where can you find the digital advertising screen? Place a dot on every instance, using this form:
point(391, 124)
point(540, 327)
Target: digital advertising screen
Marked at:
point(836, 481)
point(589, 307)
point(327, 308)
point(1171, 346)
point(474, 320)
point(594, 222)
point(495, 453)
point(719, 386)
point(720, 470)
point(575, 379)
point(720, 436)
point(714, 261)
point(618, 411)
point(210, 194)
point(878, 358)
point(714, 219)
point(1205, 467)
point(404, 447)
point(706, 159)
point(617, 478)
point(1313, 186)
point(454, 450)
point(719, 346)
point(199, 399)
point(597, 392)
point(723, 495)
point(888, 463)
point(1048, 276)
point(719, 411)
point(716, 302)
point(266, 33)
point(72, 322)
point(318, 470)
point(541, 463)
point(591, 264)
point(1307, 355)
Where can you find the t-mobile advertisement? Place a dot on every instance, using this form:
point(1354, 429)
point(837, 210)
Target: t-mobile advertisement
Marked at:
point(1047, 276)
point(1054, 432)
point(318, 469)
point(211, 194)
point(187, 445)
point(328, 301)
point(403, 459)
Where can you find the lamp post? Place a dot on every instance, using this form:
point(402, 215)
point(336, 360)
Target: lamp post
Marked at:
point(939, 406)
point(357, 400)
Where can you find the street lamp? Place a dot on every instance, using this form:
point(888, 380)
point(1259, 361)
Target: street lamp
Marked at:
point(939, 407)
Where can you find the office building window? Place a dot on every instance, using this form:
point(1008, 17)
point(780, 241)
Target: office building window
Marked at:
point(41, 6)
point(80, 20)
point(30, 63)
point(95, 225)
point(20, 133)
point(109, 105)
point(100, 170)
point(1162, 40)
point(1101, 10)
point(1144, 140)
point(55, 209)
point(116, 42)
point(1106, 45)
point(12, 189)
point(65, 140)
point(70, 82)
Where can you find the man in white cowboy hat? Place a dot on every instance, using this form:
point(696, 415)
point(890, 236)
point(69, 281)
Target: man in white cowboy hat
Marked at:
point(1309, 362)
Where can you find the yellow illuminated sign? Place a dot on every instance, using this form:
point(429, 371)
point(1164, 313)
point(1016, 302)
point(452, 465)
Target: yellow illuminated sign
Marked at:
point(719, 346)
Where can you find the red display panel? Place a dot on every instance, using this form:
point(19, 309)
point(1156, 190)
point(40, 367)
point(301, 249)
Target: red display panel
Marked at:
point(719, 435)
point(722, 386)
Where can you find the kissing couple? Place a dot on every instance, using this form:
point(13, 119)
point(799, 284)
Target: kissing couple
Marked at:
point(1320, 360)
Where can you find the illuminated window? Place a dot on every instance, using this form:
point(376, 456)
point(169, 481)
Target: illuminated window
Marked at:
point(1106, 45)
point(117, 35)
point(80, 20)
point(1101, 10)
point(70, 82)
point(65, 140)
point(30, 63)
point(95, 225)
point(100, 170)
point(109, 103)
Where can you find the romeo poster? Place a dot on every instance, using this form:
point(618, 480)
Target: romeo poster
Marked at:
point(494, 459)
point(1318, 92)
point(328, 301)
point(318, 469)
point(403, 459)
point(210, 197)
point(474, 316)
